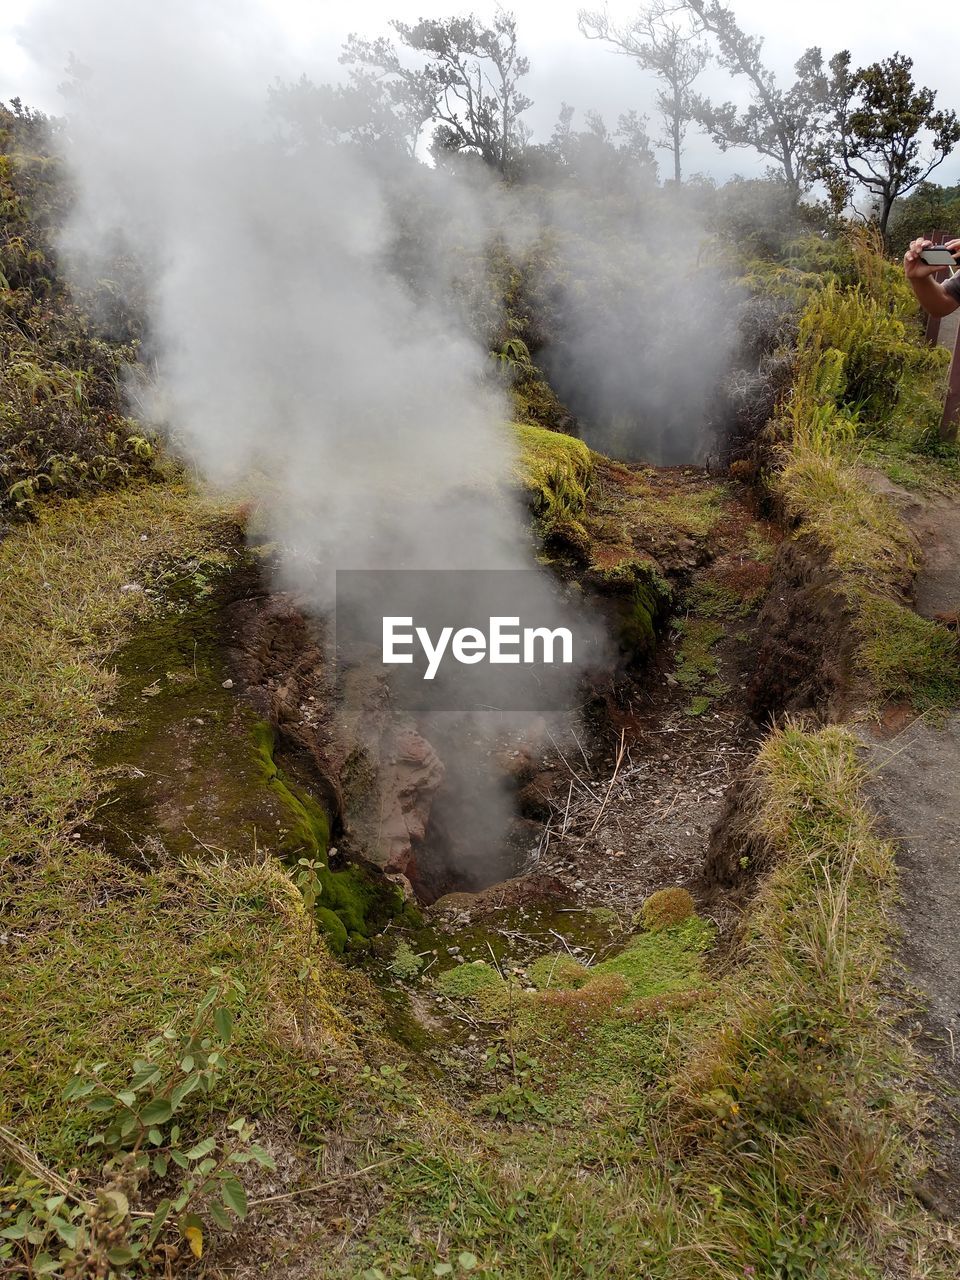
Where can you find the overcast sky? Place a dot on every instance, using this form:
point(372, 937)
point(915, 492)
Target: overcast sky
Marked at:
point(304, 36)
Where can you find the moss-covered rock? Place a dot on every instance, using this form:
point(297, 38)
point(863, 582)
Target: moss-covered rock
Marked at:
point(354, 903)
point(555, 469)
point(665, 908)
point(646, 605)
point(466, 981)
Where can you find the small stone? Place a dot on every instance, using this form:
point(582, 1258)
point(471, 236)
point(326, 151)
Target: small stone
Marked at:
point(227, 684)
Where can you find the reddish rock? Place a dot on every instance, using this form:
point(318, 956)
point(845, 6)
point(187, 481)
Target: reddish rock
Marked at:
point(409, 776)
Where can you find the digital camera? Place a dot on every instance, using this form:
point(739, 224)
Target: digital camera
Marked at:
point(938, 255)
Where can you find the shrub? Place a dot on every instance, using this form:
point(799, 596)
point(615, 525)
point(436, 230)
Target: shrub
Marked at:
point(161, 1186)
point(63, 428)
point(881, 371)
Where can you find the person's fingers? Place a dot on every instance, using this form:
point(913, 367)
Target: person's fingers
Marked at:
point(953, 244)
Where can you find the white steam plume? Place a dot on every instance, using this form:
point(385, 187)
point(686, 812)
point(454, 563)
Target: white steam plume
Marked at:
point(285, 346)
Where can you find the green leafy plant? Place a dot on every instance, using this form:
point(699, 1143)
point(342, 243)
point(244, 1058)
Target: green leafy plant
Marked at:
point(144, 1139)
point(406, 964)
point(514, 356)
point(388, 1083)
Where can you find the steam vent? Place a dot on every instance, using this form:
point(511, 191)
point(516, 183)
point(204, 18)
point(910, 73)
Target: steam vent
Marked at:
point(479, 644)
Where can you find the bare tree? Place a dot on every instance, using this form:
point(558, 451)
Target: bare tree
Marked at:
point(783, 125)
point(660, 38)
point(467, 83)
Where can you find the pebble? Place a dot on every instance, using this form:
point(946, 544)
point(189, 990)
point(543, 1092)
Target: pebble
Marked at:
point(227, 684)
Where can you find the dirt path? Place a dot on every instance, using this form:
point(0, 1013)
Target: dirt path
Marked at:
point(916, 789)
point(935, 519)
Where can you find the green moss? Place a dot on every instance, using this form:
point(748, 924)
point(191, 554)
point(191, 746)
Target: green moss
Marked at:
point(334, 929)
point(536, 402)
point(405, 964)
point(661, 963)
point(309, 831)
point(555, 469)
point(592, 1042)
point(556, 970)
point(563, 533)
point(638, 633)
point(711, 599)
point(645, 607)
point(354, 904)
point(464, 981)
point(696, 664)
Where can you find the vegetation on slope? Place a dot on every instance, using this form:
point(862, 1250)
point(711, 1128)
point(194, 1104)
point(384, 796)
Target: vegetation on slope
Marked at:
point(863, 380)
point(64, 427)
point(629, 1117)
point(650, 1121)
point(791, 1125)
point(105, 954)
point(634, 1116)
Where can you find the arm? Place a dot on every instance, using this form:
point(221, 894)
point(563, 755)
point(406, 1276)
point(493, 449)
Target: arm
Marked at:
point(929, 292)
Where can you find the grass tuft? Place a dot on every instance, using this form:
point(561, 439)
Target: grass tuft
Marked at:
point(908, 656)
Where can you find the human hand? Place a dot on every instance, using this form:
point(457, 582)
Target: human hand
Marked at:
point(914, 267)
